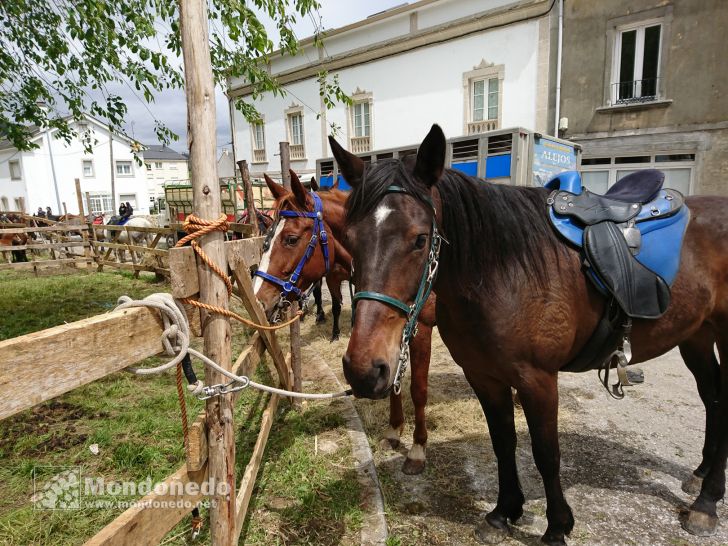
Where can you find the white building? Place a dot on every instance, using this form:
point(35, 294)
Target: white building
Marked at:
point(469, 65)
point(163, 165)
point(45, 176)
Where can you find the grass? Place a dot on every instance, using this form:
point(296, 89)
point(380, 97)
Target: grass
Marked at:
point(302, 497)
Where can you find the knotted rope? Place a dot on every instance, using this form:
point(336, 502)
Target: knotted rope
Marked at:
point(197, 227)
point(176, 342)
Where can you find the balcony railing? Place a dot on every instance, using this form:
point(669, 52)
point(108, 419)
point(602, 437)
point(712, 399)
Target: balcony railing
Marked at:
point(477, 127)
point(635, 92)
point(297, 151)
point(259, 156)
point(360, 144)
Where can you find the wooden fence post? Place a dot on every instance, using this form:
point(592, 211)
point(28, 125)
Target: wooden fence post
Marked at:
point(200, 91)
point(84, 233)
point(250, 200)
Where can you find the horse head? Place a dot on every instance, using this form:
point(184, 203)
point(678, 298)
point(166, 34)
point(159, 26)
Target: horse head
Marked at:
point(296, 252)
point(393, 237)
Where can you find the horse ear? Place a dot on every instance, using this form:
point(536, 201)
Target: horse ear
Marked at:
point(351, 166)
point(275, 188)
point(431, 156)
point(298, 189)
point(314, 184)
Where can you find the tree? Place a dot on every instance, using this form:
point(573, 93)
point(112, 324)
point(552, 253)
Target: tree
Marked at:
point(67, 53)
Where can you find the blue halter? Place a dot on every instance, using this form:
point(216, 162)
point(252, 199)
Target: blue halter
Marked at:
point(318, 236)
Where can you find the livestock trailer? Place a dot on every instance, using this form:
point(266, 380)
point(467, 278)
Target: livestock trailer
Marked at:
point(508, 156)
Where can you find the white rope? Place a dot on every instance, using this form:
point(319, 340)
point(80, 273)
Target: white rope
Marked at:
point(176, 342)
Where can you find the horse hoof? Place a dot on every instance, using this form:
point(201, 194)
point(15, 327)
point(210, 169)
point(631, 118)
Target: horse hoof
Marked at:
point(699, 523)
point(487, 533)
point(320, 318)
point(553, 540)
point(335, 337)
point(692, 485)
point(388, 444)
point(412, 467)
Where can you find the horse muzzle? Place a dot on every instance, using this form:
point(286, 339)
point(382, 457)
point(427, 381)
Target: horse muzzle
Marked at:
point(373, 381)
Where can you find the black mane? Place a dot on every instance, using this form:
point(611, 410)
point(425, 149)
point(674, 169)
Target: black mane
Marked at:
point(492, 229)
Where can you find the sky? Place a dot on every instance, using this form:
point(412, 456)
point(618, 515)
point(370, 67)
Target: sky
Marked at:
point(170, 107)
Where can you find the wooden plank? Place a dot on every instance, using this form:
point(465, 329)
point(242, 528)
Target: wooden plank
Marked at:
point(255, 311)
point(44, 229)
point(122, 246)
point(247, 251)
point(40, 263)
point(183, 272)
point(182, 263)
point(39, 366)
point(245, 490)
point(158, 230)
point(244, 365)
point(154, 515)
point(48, 246)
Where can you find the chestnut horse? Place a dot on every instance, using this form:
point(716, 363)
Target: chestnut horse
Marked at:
point(288, 240)
point(514, 306)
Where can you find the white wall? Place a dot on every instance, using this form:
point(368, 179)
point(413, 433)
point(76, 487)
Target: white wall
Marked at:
point(410, 92)
point(68, 159)
point(11, 189)
point(171, 171)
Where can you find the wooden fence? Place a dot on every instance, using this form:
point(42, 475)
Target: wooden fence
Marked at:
point(78, 353)
point(85, 245)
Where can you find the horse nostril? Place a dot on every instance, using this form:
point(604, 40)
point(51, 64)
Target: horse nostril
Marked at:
point(381, 373)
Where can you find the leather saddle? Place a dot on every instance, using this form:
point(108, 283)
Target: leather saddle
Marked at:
point(630, 237)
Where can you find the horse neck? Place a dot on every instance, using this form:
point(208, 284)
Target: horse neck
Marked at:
point(335, 218)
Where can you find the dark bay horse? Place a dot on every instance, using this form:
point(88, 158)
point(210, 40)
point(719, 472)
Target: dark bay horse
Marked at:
point(513, 307)
point(288, 242)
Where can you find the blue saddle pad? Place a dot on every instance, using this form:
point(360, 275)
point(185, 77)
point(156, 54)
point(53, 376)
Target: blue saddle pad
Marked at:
point(662, 237)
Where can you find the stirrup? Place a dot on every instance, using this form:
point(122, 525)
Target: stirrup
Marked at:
point(623, 355)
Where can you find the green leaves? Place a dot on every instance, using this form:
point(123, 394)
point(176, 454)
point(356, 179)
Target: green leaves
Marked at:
point(68, 53)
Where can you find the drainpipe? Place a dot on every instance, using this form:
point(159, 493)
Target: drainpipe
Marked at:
point(558, 69)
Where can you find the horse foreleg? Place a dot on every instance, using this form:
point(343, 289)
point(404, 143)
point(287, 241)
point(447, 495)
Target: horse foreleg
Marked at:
point(390, 438)
point(318, 300)
point(540, 400)
point(420, 350)
point(702, 518)
point(697, 352)
point(334, 285)
point(497, 403)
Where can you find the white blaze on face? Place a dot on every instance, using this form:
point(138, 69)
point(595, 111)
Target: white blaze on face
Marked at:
point(381, 214)
point(265, 260)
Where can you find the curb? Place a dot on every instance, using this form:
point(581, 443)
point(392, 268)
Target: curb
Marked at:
point(374, 525)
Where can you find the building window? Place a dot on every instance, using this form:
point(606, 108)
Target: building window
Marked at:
point(361, 122)
point(101, 203)
point(20, 204)
point(123, 168)
point(601, 173)
point(15, 172)
point(258, 130)
point(483, 91)
point(88, 168)
point(294, 122)
point(128, 198)
point(636, 69)
point(157, 164)
point(4, 202)
point(148, 166)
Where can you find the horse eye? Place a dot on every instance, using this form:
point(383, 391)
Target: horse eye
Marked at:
point(420, 242)
point(292, 240)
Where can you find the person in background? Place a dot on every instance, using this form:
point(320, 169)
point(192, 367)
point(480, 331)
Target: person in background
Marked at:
point(129, 209)
point(41, 213)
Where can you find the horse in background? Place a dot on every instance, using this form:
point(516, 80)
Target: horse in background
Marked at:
point(10, 240)
point(129, 236)
point(287, 242)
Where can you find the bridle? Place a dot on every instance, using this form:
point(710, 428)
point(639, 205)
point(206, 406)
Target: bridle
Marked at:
point(318, 237)
point(429, 274)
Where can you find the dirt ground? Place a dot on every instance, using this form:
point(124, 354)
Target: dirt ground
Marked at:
point(622, 461)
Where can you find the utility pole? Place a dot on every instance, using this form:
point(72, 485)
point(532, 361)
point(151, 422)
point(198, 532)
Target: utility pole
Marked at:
point(248, 189)
point(111, 163)
point(286, 165)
